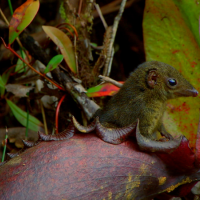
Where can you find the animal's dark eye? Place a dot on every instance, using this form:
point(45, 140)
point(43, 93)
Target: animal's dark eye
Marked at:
point(172, 82)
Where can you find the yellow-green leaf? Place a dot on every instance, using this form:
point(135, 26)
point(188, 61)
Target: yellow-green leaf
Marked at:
point(64, 44)
point(53, 63)
point(34, 124)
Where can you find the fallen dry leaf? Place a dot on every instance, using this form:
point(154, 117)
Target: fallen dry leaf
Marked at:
point(18, 90)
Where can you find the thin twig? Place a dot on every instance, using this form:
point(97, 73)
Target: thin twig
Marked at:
point(80, 7)
point(44, 117)
point(76, 56)
point(4, 17)
point(96, 47)
point(108, 54)
point(112, 7)
point(107, 67)
point(110, 80)
point(117, 19)
point(110, 62)
point(103, 59)
point(101, 16)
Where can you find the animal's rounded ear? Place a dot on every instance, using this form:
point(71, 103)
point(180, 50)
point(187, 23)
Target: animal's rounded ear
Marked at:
point(152, 78)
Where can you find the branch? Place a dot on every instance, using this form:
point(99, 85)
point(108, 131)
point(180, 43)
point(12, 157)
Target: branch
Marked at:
point(110, 80)
point(75, 89)
point(110, 54)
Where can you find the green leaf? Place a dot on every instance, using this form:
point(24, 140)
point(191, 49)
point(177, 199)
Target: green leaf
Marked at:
point(21, 116)
point(6, 75)
point(2, 83)
point(64, 44)
point(171, 36)
point(22, 17)
point(190, 13)
point(20, 64)
point(53, 63)
point(94, 44)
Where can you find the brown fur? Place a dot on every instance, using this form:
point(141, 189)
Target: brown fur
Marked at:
point(144, 96)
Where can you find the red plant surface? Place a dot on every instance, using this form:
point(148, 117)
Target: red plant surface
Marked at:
point(85, 167)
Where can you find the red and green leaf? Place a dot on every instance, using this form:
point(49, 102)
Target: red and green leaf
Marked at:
point(106, 89)
point(22, 17)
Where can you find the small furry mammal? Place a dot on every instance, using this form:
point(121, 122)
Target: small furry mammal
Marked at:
point(144, 96)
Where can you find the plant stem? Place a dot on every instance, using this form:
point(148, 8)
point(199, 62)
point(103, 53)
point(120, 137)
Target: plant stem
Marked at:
point(27, 123)
point(10, 7)
point(57, 111)
point(4, 148)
